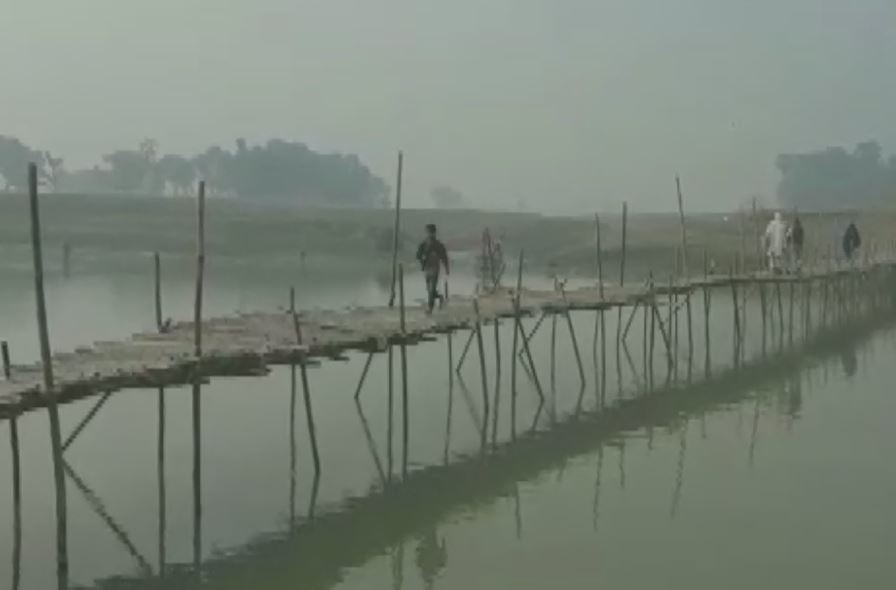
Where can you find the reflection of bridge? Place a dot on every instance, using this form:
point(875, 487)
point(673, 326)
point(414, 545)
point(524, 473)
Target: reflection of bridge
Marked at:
point(315, 553)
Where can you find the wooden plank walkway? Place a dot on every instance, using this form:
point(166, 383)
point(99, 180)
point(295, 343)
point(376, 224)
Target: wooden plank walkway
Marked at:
point(248, 343)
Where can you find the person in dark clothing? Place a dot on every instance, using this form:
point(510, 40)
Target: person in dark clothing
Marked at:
point(797, 236)
point(851, 240)
point(431, 254)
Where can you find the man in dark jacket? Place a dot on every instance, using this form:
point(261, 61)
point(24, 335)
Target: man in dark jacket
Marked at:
point(431, 254)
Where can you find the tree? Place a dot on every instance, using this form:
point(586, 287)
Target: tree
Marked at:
point(55, 169)
point(15, 157)
point(446, 197)
point(834, 178)
point(177, 172)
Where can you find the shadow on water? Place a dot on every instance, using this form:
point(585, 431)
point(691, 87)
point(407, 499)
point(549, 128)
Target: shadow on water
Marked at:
point(319, 548)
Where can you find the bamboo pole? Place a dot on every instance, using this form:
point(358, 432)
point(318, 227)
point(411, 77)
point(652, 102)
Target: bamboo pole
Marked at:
point(396, 229)
point(516, 331)
point(403, 351)
point(621, 285)
point(390, 409)
point(497, 400)
point(49, 389)
point(481, 347)
point(466, 349)
point(364, 375)
point(306, 389)
point(790, 314)
point(684, 233)
point(600, 263)
point(200, 269)
point(736, 301)
point(157, 267)
point(7, 367)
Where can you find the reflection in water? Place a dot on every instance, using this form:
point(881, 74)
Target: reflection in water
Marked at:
point(849, 360)
point(371, 444)
point(16, 503)
point(679, 471)
point(161, 478)
point(600, 467)
point(432, 556)
point(197, 478)
point(97, 506)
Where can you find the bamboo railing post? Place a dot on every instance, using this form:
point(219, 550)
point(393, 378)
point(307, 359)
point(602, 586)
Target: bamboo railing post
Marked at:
point(49, 388)
point(684, 233)
point(497, 399)
point(516, 333)
point(405, 416)
point(157, 268)
point(621, 285)
point(650, 309)
point(390, 412)
point(200, 269)
point(7, 367)
point(306, 389)
point(790, 314)
point(396, 229)
point(764, 313)
point(481, 347)
point(735, 300)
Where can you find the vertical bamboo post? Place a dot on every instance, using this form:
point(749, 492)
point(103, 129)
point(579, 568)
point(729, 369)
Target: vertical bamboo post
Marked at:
point(396, 228)
point(780, 313)
point(403, 351)
point(390, 412)
point(7, 367)
point(764, 313)
point(497, 399)
point(684, 233)
point(735, 299)
point(790, 314)
point(481, 347)
point(49, 389)
point(200, 269)
point(706, 308)
point(599, 315)
point(157, 268)
point(621, 285)
point(516, 330)
point(306, 388)
point(756, 237)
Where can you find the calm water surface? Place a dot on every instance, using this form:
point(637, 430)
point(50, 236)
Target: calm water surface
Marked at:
point(778, 479)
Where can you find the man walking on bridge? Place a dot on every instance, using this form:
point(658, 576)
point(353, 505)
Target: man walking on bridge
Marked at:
point(431, 254)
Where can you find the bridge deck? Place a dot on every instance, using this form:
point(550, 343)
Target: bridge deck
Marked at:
point(247, 343)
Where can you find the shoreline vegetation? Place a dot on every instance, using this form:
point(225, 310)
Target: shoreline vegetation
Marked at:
point(111, 231)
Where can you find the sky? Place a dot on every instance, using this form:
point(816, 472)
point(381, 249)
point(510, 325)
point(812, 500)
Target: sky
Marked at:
point(564, 106)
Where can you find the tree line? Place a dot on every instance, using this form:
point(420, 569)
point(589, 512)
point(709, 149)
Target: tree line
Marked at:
point(834, 178)
point(278, 169)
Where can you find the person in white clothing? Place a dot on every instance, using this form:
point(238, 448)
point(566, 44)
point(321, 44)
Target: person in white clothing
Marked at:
point(775, 240)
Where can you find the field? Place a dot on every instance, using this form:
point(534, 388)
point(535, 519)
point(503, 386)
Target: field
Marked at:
point(113, 233)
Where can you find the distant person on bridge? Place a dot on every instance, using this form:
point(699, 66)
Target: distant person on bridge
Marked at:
point(795, 238)
point(851, 240)
point(775, 239)
point(431, 254)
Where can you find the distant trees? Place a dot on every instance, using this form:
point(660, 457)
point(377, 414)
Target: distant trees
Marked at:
point(279, 169)
point(446, 197)
point(834, 178)
point(14, 159)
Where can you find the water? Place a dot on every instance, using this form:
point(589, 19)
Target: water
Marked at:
point(775, 478)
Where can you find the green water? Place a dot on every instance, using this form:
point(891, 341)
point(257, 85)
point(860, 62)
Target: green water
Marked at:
point(777, 476)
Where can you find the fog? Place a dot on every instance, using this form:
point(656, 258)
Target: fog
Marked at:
point(554, 106)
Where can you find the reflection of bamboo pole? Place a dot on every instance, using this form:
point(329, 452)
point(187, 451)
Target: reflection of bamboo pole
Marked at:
point(16, 501)
point(49, 389)
point(197, 479)
point(160, 452)
point(463, 354)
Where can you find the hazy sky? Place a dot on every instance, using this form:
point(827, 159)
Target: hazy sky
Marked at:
point(571, 105)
